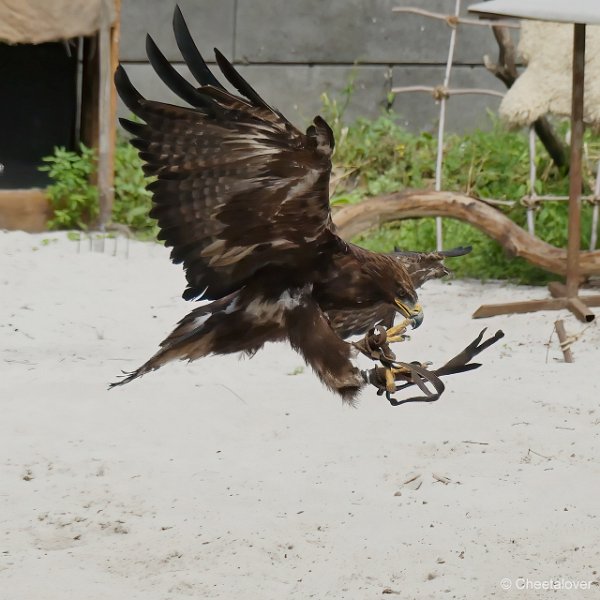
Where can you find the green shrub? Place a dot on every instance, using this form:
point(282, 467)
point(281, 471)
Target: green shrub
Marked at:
point(379, 156)
point(374, 157)
point(132, 200)
point(74, 199)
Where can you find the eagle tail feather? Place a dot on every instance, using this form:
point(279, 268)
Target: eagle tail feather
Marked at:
point(437, 255)
point(220, 327)
point(189, 340)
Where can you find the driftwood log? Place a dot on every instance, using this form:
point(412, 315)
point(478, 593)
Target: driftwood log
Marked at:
point(355, 219)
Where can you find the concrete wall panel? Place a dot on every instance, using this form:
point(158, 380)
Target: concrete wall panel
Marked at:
point(296, 91)
point(345, 31)
point(293, 52)
point(211, 23)
point(419, 110)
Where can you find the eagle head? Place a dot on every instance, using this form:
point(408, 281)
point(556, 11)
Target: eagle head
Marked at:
point(405, 298)
point(411, 310)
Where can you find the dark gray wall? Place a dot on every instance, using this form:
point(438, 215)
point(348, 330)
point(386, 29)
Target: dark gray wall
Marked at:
point(291, 52)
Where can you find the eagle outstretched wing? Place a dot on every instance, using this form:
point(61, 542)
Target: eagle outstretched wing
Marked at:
point(237, 187)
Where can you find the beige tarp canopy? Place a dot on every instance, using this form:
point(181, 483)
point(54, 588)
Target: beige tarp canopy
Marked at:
point(545, 85)
point(37, 21)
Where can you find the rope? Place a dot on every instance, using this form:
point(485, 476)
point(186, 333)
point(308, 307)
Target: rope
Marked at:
point(571, 339)
point(565, 345)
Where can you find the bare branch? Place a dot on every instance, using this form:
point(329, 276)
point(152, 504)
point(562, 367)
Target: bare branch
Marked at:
point(506, 71)
point(439, 91)
point(374, 212)
point(453, 21)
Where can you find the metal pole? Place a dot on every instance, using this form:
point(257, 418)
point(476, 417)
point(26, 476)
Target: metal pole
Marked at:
point(594, 234)
point(441, 126)
point(532, 178)
point(575, 176)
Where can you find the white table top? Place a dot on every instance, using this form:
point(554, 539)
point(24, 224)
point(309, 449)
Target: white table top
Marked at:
point(560, 11)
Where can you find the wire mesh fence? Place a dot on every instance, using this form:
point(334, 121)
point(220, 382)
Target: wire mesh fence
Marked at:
point(442, 93)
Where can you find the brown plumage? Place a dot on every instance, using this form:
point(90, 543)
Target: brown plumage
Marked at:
point(421, 267)
point(241, 196)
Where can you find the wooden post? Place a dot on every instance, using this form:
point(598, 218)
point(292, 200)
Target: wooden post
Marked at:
point(99, 107)
point(563, 340)
point(105, 176)
point(575, 177)
point(89, 93)
point(568, 293)
point(115, 37)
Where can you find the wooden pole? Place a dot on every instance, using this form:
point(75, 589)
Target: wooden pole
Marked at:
point(104, 178)
point(566, 296)
point(575, 176)
point(115, 39)
point(107, 45)
point(563, 341)
point(89, 95)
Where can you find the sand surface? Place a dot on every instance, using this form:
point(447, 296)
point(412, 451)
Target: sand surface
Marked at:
point(247, 479)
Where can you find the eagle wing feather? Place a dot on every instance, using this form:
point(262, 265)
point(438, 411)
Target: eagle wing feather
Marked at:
point(237, 186)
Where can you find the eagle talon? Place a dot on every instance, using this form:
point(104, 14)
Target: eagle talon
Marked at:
point(397, 333)
point(384, 378)
point(390, 381)
point(392, 374)
point(398, 338)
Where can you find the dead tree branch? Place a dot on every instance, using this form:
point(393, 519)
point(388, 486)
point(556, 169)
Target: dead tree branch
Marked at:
point(452, 20)
point(506, 71)
point(374, 212)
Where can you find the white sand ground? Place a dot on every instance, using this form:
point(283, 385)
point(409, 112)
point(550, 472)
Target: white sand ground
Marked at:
point(240, 479)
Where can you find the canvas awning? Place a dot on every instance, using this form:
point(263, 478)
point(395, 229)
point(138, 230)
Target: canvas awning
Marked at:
point(37, 21)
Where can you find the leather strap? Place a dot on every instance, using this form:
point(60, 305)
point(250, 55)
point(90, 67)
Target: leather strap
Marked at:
point(375, 346)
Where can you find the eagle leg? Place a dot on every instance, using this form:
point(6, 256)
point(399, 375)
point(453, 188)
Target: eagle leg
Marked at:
point(375, 346)
point(310, 333)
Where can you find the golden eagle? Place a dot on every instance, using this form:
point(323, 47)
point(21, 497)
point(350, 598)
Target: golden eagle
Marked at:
point(242, 197)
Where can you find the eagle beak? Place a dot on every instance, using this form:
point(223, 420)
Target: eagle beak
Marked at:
point(414, 314)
